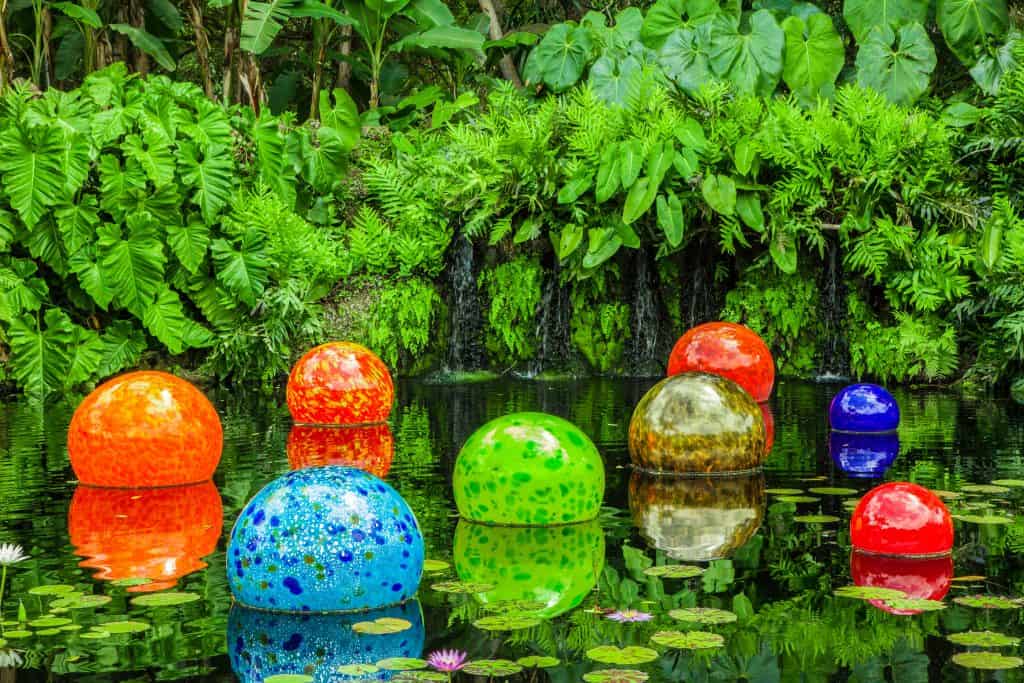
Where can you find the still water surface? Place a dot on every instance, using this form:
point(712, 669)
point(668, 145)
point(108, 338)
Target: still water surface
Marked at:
point(764, 559)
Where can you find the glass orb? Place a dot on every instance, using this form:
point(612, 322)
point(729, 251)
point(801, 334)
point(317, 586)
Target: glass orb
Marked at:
point(340, 383)
point(730, 350)
point(144, 429)
point(370, 448)
point(697, 423)
point(900, 518)
point(864, 408)
point(529, 469)
point(864, 455)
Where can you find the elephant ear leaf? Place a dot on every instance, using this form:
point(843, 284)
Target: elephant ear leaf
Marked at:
point(752, 60)
point(863, 15)
point(968, 25)
point(897, 65)
point(41, 358)
point(995, 61)
point(685, 56)
point(814, 55)
point(560, 57)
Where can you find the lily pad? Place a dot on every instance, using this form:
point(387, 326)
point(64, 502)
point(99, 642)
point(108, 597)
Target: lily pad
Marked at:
point(947, 495)
point(79, 602)
point(675, 571)
point(987, 602)
point(402, 664)
point(797, 499)
point(535, 662)
point(49, 622)
point(288, 678)
point(991, 661)
point(71, 627)
point(983, 519)
point(983, 639)
point(434, 566)
point(1011, 483)
point(784, 492)
point(2, 642)
point(703, 615)
point(983, 488)
point(463, 587)
point(59, 589)
point(18, 634)
point(815, 519)
point(48, 632)
point(615, 676)
point(507, 622)
point(870, 593)
point(833, 491)
point(168, 599)
point(970, 578)
point(128, 583)
point(610, 654)
point(492, 667)
point(415, 676)
point(95, 635)
point(115, 627)
point(519, 607)
point(691, 640)
point(916, 604)
point(382, 627)
point(357, 669)
point(817, 477)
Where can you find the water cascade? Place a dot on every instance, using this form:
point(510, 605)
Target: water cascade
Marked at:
point(552, 331)
point(835, 352)
point(644, 348)
point(465, 350)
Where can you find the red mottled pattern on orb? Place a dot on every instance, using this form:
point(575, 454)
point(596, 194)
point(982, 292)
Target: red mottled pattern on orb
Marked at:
point(769, 427)
point(729, 350)
point(145, 428)
point(371, 448)
point(920, 578)
point(340, 383)
point(157, 534)
point(900, 518)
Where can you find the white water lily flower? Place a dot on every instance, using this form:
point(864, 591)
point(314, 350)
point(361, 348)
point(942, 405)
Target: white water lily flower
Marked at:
point(10, 659)
point(11, 554)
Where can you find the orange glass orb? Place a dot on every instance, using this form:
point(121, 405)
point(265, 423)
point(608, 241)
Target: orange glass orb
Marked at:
point(340, 383)
point(142, 429)
point(156, 534)
point(769, 427)
point(369, 447)
point(920, 578)
point(726, 349)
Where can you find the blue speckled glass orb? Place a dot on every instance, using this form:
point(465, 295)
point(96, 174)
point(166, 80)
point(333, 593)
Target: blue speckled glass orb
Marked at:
point(325, 539)
point(863, 455)
point(263, 644)
point(864, 408)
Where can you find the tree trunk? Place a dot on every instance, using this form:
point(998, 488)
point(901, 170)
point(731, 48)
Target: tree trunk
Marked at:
point(6, 56)
point(320, 37)
point(47, 46)
point(344, 68)
point(137, 18)
point(195, 15)
point(230, 47)
point(508, 68)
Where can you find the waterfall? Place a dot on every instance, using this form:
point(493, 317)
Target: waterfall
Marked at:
point(698, 286)
point(552, 330)
point(643, 355)
point(465, 352)
point(835, 352)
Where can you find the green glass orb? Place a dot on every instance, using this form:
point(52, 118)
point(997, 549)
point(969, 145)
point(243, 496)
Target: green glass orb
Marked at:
point(552, 566)
point(529, 469)
point(697, 423)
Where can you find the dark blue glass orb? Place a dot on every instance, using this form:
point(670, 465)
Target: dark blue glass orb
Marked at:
point(863, 455)
point(264, 644)
point(864, 408)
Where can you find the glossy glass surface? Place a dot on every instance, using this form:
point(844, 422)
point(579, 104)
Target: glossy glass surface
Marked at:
point(726, 349)
point(369, 447)
point(340, 383)
point(865, 456)
point(864, 408)
point(145, 429)
point(927, 578)
point(697, 423)
point(900, 518)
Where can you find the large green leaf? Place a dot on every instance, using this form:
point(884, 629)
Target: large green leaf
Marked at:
point(166, 12)
point(719, 192)
point(814, 56)
point(338, 111)
point(83, 264)
point(33, 179)
point(189, 242)
point(212, 177)
point(446, 37)
point(560, 57)
point(242, 270)
point(752, 60)
point(996, 61)
point(85, 357)
point(78, 13)
point(863, 15)
point(428, 13)
point(20, 291)
point(77, 223)
point(670, 219)
point(610, 78)
point(123, 345)
point(896, 65)
point(118, 184)
point(662, 18)
point(165, 319)
point(148, 43)
point(969, 25)
point(154, 156)
point(262, 22)
point(132, 267)
point(685, 56)
point(318, 10)
point(40, 358)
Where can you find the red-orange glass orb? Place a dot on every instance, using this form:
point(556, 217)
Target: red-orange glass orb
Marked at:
point(900, 518)
point(769, 427)
point(156, 534)
point(730, 350)
point(926, 578)
point(145, 429)
point(369, 447)
point(340, 383)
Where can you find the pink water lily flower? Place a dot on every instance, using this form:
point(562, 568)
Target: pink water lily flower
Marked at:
point(628, 616)
point(447, 660)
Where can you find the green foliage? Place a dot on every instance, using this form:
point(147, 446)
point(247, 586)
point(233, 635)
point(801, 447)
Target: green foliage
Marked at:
point(600, 323)
point(407, 319)
point(513, 291)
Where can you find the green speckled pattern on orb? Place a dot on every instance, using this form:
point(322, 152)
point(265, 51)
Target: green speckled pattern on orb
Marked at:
point(697, 423)
point(529, 469)
point(553, 566)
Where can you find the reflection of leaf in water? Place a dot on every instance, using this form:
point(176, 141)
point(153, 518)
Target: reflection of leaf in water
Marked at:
point(492, 667)
point(168, 599)
point(815, 519)
point(691, 640)
point(402, 664)
point(870, 593)
point(383, 626)
point(983, 519)
point(434, 566)
point(610, 654)
point(983, 488)
point(703, 615)
point(983, 639)
point(675, 571)
point(615, 676)
point(991, 661)
point(535, 662)
point(916, 604)
point(462, 587)
point(415, 676)
point(833, 491)
point(987, 601)
point(507, 622)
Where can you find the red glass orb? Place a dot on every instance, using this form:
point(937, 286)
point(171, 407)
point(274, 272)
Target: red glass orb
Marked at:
point(927, 578)
point(769, 427)
point(156, 534)
point(369, 447)
point(145, 429)
point(900, 518)
point(726, 349)
point(340, 383)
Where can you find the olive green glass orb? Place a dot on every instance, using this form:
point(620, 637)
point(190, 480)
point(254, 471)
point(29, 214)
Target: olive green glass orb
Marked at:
point(551, 566)
point(697, 423)
point(697, 519)
point(529, 469)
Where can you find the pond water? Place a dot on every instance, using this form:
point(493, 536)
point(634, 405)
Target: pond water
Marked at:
point(771, 558)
